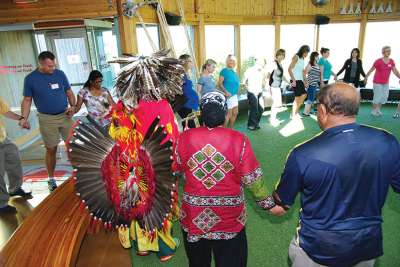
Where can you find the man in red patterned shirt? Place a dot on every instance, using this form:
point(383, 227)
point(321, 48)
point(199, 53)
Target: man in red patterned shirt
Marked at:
point(217, 164)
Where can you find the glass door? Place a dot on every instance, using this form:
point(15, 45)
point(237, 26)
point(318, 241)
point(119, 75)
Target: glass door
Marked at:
point(71, 50)
point(103, 47)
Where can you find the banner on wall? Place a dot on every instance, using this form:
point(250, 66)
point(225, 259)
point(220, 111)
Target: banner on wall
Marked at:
point(12, 69)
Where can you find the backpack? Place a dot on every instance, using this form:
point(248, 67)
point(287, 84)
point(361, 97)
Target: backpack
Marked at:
point(271, 79)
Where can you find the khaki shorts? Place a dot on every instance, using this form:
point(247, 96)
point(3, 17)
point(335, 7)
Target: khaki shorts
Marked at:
point(52, 126)
point(299, 258)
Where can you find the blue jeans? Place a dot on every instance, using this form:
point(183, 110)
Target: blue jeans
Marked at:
point(311, 94)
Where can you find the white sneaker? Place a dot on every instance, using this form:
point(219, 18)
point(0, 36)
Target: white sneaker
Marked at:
point(275, 122)
point(297, 117)
point(374, 113)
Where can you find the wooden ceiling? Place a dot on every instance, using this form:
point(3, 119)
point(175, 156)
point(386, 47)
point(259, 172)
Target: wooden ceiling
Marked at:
point(214, 11)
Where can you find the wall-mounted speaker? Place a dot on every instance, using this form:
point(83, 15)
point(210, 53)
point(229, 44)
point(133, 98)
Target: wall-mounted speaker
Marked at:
point(320, 3)
point(320, 20)
point(173, 19)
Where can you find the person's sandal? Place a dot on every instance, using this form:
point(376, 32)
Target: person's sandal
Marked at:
point(396, 115)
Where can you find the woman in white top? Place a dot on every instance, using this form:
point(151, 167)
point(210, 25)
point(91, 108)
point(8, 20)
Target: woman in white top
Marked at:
point(276, 76)
point(254, 78)
point(298, 79)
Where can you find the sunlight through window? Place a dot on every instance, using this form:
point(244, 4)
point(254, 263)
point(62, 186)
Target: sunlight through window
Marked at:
point(293, 127)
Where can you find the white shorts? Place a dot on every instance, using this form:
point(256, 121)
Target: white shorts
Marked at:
point(276, 95)
point(381, 93)
point(232, 102)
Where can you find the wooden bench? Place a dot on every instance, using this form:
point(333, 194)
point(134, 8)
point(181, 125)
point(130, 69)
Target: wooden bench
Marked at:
point(51, 235)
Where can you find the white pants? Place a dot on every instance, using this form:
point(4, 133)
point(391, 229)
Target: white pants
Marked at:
point(276, 95)
point(381, 93)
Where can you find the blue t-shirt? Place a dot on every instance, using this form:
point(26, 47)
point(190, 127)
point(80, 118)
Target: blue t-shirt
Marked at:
point(48, 91)
point(192, 101)
point(207, 84)
point(327, 68)
point(231, 80)
point(343, 176)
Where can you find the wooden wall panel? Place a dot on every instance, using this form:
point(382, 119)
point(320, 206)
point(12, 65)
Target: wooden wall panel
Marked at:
point(283, 7)
point(171, 6)
point(237, 7)
point(305, 7)
point(55, 9)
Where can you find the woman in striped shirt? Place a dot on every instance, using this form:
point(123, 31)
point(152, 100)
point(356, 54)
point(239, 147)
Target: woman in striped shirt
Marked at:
point(314, 79)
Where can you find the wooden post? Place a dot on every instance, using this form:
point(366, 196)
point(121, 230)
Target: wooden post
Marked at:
point(238, 49)
point(361, 37)
point(198, 6)
point(200, 41)
point(317, 31)
point(277, 12)
point(127, 30)
point(277, 33)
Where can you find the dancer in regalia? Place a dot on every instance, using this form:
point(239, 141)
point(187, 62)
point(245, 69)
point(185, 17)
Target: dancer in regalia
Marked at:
point(124, 173)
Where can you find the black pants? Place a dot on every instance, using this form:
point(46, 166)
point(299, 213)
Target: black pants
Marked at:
point(255, 109)
point(227, 253)
point(184, 112)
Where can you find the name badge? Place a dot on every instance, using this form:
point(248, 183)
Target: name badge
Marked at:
point(54, 86)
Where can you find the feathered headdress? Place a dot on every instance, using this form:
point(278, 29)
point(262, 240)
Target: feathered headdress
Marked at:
point(150, 78)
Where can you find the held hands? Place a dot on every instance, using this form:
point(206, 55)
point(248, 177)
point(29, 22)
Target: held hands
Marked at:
point(70, 111)
point(277, 211)
point(293, 84)
point(24, 124)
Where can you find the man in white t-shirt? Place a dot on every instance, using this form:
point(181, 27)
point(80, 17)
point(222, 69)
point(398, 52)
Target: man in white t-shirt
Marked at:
point(254, 79)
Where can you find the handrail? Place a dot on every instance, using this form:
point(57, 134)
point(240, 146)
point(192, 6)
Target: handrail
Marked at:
point(51, 235)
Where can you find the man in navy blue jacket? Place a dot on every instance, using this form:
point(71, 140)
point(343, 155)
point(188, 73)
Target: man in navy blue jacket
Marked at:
point(343, 176)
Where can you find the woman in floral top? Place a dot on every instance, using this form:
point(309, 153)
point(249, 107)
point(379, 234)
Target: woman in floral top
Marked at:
point(96, 98)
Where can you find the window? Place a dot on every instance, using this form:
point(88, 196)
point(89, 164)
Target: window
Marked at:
point(144, 45)
point(179, 39)
point(257, 41)
point(293, 37)
point(340, 38)
point(220, 42)
point(40, 42)
point(378, 35)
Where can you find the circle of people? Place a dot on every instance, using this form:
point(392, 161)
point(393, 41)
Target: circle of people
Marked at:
point(332, 232)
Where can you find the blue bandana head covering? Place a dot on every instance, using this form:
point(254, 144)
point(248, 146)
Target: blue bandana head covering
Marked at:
point(213, 109)
point(214, 99)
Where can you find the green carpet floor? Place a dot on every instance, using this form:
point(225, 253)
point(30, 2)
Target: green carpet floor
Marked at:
point(268, 236)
